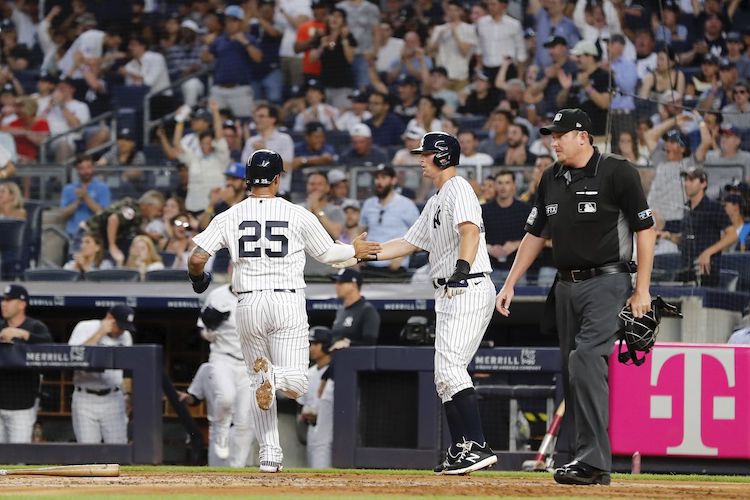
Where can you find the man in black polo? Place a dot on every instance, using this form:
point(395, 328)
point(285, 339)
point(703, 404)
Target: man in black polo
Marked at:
point(357, 321)
point(705, 231)
point(589, 205)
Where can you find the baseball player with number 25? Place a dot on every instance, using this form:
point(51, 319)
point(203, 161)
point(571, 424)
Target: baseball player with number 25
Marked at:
point(450, 228)
point(267, 238)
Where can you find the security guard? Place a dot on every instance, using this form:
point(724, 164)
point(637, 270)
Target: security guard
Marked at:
point(590, 205)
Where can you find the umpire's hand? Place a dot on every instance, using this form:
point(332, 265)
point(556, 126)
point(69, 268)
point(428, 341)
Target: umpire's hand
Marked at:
point(640, 303)
point(200, 282)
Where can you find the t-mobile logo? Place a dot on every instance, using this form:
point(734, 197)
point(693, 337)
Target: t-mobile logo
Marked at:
point(722, 407)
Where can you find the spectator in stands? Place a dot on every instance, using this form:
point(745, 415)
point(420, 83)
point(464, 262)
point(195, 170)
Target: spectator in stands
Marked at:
point(92, 47)
point(232, 54)
point(547, 80)
point(8, 95)
point(358, 112)
point(706, 78)
point(720, 95)
point(233, 136)
point(146, 67)
point(308, 37)
point(738, 113)
point(627, 146)
point(589, 90)
point(711, 41)
point(428, 114)
point(670, 31)
point(385, 127)
point(364, 17)
point(596, 21)
point(124, 152)
point(550, 19)
point(414, 62)
point(90, 256)
point(532, 181)
point(411, 138)
point(143, 255)
point(268, 136)
point(98, 408)
point(437, 88)
point(339, 183)
point(705, 231)
point(735, 208)
point(386, 216)
point(64, 113)
point(313, 151)
point(82, 199)
point(200, 121)
point(453, 44)
point(16, 56)
point(518, 153)
point(11, 201)
point(28, 130)
point(664, 78)
point(728, 152)
point(644, 50)
point(483, 97)
point(233, 192)
point(292, 16)
point(357, 321)
point(504, 219)
point(735, 48)
point(317, 110)
point(363, 151)
point(469, 152)
point(352, 226)
point(19, 392)
point(183, 58)
point(500, 37)
point(329, 215)
point(625, 79)
point(387, 48)
point(336, 54)
point(266, 78)
point(497, 143)
point(180, 240)
point(408, 98)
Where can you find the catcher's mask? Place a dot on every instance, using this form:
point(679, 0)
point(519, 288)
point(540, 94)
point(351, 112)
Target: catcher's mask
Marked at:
point(639, 334)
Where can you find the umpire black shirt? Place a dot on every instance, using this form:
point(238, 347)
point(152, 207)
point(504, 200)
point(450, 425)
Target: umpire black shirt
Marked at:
point(360, 323)
point(591, 212)
point(503, 224)
point(20, 388)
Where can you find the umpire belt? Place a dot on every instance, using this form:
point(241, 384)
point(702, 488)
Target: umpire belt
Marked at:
point(97, 392)
point(438, 282)
point(578, 275)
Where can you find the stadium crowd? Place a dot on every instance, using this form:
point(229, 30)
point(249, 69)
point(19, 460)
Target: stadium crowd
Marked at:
point(343, 90)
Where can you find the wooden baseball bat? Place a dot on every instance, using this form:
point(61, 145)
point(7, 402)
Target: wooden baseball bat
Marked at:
point(548, 443)
point(88, 470)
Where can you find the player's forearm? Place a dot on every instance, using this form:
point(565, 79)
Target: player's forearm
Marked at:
point(469, 242)
point(529, 249)
point(645, 242)
point(396, 248)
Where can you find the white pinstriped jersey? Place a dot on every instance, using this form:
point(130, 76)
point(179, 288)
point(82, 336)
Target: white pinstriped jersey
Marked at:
point(267, 239)
point(436, 230)
point(224, 338)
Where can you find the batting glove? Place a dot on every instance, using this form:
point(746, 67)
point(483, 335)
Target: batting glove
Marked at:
point(457, 283)
point(201, 282)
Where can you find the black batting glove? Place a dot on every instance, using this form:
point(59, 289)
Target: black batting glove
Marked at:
point(200, 282)
point(457, 283)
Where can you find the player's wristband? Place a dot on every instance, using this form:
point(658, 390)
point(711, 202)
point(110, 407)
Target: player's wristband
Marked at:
point(369, 258)
point(462, 271)
point(196, 278)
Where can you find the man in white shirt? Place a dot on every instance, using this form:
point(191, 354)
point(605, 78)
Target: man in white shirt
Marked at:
point(98, 407)
point(388, 48)
point(469, 154)
point(500, 37)
point(63, 113)
point(146, 68)
point(87, 48)
point(290, 14)
point(268, 136)
point(453, 44)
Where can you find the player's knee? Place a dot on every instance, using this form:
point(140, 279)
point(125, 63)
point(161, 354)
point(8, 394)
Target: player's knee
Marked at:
point(224, 402)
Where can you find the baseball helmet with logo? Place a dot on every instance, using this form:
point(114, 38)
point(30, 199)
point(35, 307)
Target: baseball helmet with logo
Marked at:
point(639, 334)
point(446, 148)
point(322, 335)
point(263, 166)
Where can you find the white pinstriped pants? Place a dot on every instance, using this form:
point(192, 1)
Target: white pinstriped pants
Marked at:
point(460, 325)
point(99, 418)
point(17, 426)
point(274, 325)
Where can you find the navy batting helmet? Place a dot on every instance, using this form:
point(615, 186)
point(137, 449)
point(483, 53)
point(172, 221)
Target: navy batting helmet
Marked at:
point(322, 335)
point(263, 166)
point(446, 148)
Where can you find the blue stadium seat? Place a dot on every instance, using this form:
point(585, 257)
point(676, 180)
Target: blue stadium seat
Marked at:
point(728, 279)
point(154, 154)
point(168, 258)
point(28, 79)
point(13, 248)
point(739, 262)
point(668, 261)
point(167, 275)
point(116, 274)
point(51, 275)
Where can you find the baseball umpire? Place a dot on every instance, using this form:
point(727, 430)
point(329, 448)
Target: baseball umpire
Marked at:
point(590, 205)
point(450, 228)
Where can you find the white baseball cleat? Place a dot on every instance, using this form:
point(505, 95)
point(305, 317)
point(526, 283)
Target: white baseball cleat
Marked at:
point(266, 391)
point(269, 466)
point(221, 443)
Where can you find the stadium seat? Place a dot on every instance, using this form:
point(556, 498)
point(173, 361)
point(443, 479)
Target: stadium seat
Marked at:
point(167, 275)
point(34, 209)
point(12, 248)
point(728, 279)
point(739, 262)
point(168, 258)
point(28, 79)
point(51, 275)
point(668, 261)
point(221, 261)
point(116, 274)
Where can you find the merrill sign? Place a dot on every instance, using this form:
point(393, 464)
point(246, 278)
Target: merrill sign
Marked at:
point(74, 358)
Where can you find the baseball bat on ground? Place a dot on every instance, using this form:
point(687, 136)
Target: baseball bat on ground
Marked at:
point(548, 443)
point(89, 470)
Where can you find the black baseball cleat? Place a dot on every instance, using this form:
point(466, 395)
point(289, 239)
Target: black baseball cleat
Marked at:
point(450, 459)
point(582, 474)
point(472, 458)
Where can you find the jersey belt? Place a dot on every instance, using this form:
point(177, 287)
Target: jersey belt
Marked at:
point(97, 392)
point(283, 290)
point(578, 275)
point(438, 282)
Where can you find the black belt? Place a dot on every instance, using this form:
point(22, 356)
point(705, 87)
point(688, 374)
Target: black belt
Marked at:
point(283, 290)
point(99, 392)
point(578, 275)
point(438, 282)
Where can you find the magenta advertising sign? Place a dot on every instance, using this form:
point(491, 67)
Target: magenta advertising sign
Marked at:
point(686, 400)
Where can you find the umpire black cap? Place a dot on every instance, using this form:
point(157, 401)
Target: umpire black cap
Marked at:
point(263, 166)
point(446, 148)
point(566, 120)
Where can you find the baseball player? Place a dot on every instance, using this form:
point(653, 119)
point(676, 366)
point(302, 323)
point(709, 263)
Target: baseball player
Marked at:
point(450, 228)
point(229, 393)
point(98, 407)
point(267, 238)
point(317, 409)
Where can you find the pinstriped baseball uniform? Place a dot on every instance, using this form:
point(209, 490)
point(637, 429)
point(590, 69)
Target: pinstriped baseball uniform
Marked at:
point(229, 391)
point(267, 239)
point(463, 319)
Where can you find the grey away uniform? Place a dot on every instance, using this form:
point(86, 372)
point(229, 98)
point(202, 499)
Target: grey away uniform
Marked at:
point(462, 320)
point(590, 214)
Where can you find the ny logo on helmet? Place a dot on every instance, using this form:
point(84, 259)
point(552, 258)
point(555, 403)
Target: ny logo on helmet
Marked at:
point(441, 146)
point(264, 163)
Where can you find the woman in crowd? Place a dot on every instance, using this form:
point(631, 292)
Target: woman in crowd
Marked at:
point(90, 256)
point(627, 146)
point(428, 115)
point(180, 242)
point(11, 201)
point(664, 77)
point(143, 256)
point(336, 53)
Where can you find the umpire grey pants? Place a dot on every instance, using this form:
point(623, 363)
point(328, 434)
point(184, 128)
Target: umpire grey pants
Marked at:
point(587, 322)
